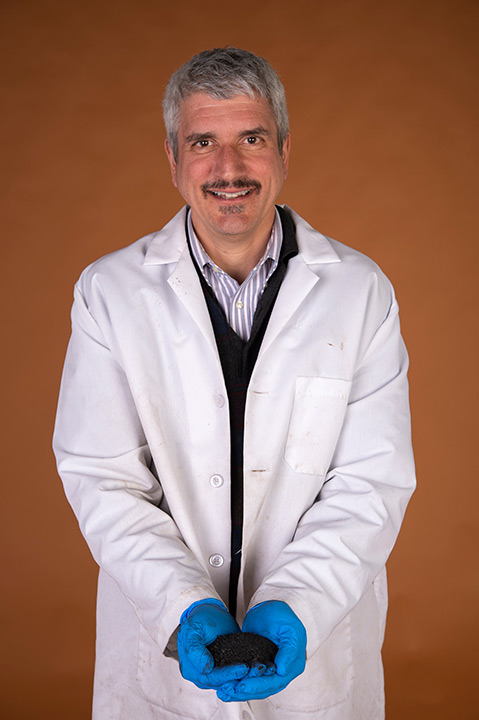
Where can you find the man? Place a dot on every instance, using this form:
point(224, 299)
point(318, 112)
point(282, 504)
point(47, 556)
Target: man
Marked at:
point(233, 432)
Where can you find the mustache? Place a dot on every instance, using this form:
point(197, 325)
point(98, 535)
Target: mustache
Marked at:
point(243, 183)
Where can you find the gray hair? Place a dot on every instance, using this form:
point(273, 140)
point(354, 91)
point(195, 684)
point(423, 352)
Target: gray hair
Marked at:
point(223, 73)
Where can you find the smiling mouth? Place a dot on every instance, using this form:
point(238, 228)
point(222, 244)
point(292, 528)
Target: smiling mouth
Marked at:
point(231, 195)
point(231, 189)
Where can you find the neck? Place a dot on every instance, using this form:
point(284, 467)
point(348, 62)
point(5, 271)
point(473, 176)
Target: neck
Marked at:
point(236, 255)
point(237, 261)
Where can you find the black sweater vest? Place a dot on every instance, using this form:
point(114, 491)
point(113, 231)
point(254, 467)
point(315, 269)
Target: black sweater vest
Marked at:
point(237, 360)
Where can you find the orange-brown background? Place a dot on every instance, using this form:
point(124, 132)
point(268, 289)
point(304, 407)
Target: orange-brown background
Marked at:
point(383, 115)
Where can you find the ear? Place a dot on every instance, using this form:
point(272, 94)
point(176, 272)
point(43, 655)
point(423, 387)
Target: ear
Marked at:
point(172, 161)
point(285, 154)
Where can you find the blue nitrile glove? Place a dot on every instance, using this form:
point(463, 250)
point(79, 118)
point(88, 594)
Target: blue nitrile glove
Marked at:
point(200, 624)
point(275, 620)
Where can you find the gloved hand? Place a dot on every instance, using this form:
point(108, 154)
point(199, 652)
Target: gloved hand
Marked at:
point(200, 624)
point(275, 620)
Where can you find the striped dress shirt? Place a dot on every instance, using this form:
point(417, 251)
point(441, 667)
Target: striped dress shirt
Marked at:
point(238, 302)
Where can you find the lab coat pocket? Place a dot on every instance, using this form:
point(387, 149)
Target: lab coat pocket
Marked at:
point(317, 416)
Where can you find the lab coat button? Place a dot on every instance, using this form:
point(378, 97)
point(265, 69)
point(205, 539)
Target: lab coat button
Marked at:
point(220, 401)
point(216, 481)
point(245, 715)
point(216, 560)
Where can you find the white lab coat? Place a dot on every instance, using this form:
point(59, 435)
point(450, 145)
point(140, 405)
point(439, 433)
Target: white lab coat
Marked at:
point(142, 442)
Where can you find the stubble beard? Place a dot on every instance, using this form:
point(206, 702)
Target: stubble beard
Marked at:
point(231, 209)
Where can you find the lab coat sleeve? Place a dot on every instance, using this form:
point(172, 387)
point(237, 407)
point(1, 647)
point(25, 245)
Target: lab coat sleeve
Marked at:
point(106, 467)
point(343, 541)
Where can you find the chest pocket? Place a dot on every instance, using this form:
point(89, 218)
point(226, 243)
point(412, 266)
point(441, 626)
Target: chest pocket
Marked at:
point(317, 416)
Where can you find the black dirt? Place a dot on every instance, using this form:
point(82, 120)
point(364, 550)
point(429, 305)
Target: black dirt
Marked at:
point(239, 648)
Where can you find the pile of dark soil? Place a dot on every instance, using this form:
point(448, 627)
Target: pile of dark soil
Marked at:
point(239, 648)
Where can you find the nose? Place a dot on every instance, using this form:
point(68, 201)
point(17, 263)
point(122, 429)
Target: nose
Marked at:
point(229, 163)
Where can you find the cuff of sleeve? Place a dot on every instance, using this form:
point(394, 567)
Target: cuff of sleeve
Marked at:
point(206, 601)
point(298, 606)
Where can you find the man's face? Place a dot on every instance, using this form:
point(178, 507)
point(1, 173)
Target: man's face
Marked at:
point(229, 168)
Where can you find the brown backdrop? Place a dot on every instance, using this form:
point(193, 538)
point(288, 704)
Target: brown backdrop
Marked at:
point(381, 96)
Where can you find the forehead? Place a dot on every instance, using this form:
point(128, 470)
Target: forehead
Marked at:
point(200, 112)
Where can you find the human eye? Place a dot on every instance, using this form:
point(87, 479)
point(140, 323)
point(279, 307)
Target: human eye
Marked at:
point(199, 142)
point(255, 138)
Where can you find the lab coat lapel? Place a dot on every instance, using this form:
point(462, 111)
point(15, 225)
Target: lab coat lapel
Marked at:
point(296, 286)
point(169, 247)
point(314, 250)
point(185, 283)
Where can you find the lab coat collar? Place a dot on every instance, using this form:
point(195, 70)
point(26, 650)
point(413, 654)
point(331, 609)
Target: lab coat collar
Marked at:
point(314, 247)
point(169, 243)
